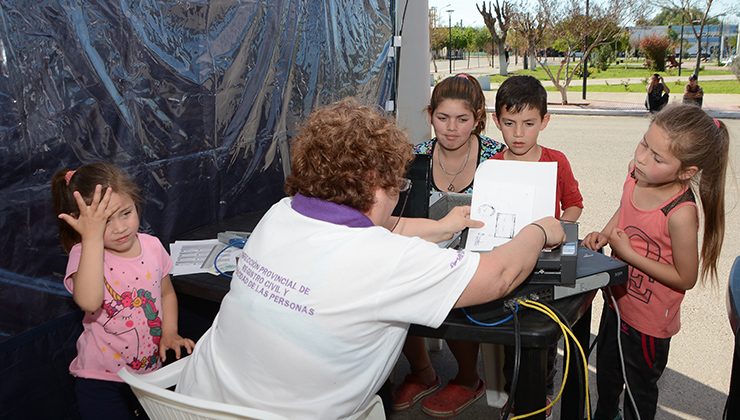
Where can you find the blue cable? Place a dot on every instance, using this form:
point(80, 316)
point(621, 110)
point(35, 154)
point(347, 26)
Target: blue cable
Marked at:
point(233, 243)
point(492, 324)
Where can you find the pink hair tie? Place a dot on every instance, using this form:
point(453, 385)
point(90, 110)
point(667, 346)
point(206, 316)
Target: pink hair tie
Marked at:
point(463, 75)
point(68, 176)
point(716, 122)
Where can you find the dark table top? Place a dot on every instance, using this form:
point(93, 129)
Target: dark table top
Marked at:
point(536, 329)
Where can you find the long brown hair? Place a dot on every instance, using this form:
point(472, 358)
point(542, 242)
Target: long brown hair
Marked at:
point(466, 88)
point(702, 141)
point(84, 179)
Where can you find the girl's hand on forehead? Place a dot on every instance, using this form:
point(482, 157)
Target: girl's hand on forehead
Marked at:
point(93, 218)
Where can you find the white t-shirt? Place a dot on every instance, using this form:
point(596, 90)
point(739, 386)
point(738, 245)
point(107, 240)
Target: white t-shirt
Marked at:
point(317, 315)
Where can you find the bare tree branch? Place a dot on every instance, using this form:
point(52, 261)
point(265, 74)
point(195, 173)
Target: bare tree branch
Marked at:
point(498, 19)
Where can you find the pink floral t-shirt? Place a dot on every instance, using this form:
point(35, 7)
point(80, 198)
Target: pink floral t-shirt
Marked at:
point(126, 329)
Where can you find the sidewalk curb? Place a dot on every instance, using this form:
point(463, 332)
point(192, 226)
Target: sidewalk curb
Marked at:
point(716, 113)
point(624, 112)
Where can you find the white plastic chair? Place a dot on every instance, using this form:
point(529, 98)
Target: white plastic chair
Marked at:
point(161, 403)
point(373, 411)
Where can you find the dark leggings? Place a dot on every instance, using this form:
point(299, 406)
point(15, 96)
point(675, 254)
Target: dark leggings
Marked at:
point(98, 399)
point(645, 358)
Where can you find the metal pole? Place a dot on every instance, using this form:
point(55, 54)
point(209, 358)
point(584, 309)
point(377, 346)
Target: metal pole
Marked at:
point(585, 58)
point(721, 43)
point(449, 26)
point(680, 47)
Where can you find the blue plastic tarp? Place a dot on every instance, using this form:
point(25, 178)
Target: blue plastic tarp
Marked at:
point(195, 99)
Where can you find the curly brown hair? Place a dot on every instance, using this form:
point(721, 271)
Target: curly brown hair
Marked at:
point(344, 152)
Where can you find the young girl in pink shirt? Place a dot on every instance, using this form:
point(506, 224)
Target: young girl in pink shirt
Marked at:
point(655, 230)
point(120, 278)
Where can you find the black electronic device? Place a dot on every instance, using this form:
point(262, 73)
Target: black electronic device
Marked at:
point(593, 271)
point(416, 199)
point(558, 265)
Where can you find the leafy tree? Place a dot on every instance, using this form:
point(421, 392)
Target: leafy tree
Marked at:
point(481, 39)
point(570, 30)
point(674, 15)
point(438, 39)
point(655, 47)
point(693, 13)
point(498, 20)
point(604, 56)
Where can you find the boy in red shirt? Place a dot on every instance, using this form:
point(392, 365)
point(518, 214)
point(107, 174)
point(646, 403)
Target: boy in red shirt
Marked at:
point(521, 113)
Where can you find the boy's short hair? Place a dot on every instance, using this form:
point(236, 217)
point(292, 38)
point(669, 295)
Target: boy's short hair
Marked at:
point(519, 92)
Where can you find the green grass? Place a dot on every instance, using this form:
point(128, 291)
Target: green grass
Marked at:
point(617, 72)
point(709, 86)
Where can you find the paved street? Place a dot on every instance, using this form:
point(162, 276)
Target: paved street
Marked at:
point(697, 377)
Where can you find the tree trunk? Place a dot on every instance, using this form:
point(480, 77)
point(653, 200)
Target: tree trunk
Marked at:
point(525, 62)
point(533, 60)
point(503, 65)
point(563, 94)
point(698, 57)
point(435, 63)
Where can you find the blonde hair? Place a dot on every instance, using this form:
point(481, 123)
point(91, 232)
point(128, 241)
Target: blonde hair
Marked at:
point(702, 141)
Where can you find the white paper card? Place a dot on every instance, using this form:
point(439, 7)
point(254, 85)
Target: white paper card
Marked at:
point(509, 195)
point(189, 257)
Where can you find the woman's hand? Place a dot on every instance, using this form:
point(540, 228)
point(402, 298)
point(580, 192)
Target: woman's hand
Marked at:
point(458, 219)
point(174, 342)
point(595, 241)
point(91, 222)
point(555, 235)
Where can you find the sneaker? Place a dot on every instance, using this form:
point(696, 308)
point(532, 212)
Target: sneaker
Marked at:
point(411, 391)
point(452, 400)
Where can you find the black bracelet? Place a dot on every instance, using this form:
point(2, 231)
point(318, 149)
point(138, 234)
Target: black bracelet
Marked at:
point(543, 232)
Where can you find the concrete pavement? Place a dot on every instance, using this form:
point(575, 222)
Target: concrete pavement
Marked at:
point(696, 380)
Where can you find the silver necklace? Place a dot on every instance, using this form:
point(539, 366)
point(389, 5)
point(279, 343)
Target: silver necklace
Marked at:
point(451, 186)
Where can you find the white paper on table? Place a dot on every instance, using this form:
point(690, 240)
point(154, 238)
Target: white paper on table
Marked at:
point(189, 257)
point(507, 196)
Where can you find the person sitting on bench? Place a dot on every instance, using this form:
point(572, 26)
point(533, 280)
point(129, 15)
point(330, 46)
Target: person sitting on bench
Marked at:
point(657, 93)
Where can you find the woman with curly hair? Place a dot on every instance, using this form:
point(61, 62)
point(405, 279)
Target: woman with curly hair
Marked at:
point(329, 281)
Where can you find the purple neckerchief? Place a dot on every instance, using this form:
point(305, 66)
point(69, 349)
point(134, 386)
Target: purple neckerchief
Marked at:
point(326, 211)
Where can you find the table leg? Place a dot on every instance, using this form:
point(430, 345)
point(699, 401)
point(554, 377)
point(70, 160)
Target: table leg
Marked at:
point(573, 405)
point(531, 388)
point(493, 362)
